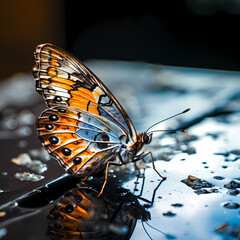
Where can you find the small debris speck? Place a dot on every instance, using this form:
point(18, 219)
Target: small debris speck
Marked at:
point(177, 205)
point(233, 192)
point(218, 177)
point(25, 160)
point(232, 184)
point(26, 176)
point(196, 183)
point(169, 214)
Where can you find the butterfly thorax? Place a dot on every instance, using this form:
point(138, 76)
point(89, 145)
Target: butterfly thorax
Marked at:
point(128, 153)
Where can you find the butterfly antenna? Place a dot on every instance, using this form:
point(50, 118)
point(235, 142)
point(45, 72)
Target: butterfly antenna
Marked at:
point(170, 130)
point(175, 115)
point(167, 235)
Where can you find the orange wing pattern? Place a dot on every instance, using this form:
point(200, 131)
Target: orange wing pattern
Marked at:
point(84, 125)
point(65, 81)
point(81, 144)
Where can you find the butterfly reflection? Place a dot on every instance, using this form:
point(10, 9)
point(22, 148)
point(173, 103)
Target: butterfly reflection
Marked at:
point(80, 214)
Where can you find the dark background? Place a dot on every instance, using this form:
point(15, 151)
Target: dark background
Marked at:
point(191, 33)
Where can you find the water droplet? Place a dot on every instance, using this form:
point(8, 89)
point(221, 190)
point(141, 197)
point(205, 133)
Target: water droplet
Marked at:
point(24, 131)
point(11, 123)
point(3, 232)
point(231, 205)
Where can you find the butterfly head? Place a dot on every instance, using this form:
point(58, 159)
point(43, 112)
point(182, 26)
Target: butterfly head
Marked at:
point(146, 138)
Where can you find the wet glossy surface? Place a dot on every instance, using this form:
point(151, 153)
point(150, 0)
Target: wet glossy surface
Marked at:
point(198, 200)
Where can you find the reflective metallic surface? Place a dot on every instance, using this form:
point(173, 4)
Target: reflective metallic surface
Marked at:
point(198, 200)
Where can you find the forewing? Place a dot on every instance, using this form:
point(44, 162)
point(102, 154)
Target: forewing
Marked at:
point(65, 81)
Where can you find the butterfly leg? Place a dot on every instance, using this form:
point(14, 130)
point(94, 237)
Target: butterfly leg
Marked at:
point(106, 175)
point(150, 153)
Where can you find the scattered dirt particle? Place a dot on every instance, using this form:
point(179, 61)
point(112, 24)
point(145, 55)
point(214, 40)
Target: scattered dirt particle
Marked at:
point(205, 191)
point(26, 176)
point(232, 185)
point(177, 205)
point(25, 160)
point(218, 177)
point(169, 214)
point(196, 183)
point(233, 192)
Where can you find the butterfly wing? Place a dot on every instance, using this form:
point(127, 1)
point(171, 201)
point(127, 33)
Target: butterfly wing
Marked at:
point(82, 144)
point(64, 80)
point(85, 125)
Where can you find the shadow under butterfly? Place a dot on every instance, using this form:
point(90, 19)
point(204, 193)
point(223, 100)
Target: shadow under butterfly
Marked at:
point(81, 214)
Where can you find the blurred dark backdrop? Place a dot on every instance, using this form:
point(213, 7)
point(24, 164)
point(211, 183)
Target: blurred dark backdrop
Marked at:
point(192, 33)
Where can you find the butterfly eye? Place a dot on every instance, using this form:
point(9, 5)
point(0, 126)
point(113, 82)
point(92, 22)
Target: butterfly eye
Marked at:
point(147, 138)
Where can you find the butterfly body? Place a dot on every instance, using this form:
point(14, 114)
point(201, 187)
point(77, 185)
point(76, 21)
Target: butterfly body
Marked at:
point(85, 128)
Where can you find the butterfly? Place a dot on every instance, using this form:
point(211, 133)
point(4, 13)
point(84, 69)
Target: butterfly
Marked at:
point(84, 126)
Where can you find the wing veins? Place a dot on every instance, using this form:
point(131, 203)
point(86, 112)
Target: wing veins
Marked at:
point(101, 106)
point(81, 138)
point(87, 129)
point(96, 117)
